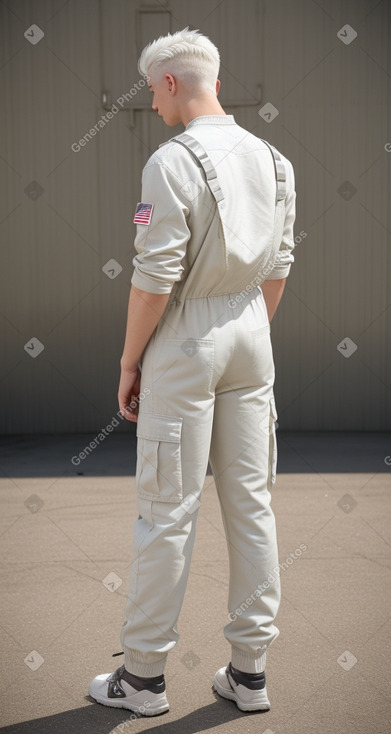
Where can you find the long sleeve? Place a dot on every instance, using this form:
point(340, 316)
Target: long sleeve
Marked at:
point(161, 244)
point(285, 256)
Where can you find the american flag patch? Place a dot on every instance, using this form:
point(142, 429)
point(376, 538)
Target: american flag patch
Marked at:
point(143, 213)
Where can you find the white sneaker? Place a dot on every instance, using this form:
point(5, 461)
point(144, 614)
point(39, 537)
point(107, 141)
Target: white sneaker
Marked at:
point(249, 695)
point(121, 689)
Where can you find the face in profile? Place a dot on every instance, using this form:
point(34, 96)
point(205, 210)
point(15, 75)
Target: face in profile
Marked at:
point(164, 98)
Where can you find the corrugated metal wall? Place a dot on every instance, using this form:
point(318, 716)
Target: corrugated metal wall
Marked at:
point(66, 213)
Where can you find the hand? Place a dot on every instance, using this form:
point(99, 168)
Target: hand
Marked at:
point(128, 393)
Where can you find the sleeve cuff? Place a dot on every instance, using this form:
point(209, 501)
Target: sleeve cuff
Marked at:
point(150, 285)
point(279, 272)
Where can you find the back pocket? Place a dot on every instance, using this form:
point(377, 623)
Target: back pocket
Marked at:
point(159, 463)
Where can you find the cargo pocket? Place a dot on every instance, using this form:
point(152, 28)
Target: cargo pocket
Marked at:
point(159, 464)
point(272, 441)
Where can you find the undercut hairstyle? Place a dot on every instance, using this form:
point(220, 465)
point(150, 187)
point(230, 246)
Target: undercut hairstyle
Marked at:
point(188, 55)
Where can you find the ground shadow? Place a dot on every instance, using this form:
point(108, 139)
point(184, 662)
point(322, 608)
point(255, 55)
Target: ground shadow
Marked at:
point(102, 720)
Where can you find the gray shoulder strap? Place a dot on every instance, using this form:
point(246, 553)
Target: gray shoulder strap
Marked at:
point(279, 168)
point(202, 158)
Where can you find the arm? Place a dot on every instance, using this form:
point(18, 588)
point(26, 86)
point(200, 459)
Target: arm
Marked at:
point(161, 246)
point(273, 287)
point(144, 313)
point(284, 257)
point(272, 291)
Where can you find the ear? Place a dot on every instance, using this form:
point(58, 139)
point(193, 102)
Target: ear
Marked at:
point(217, 86)
point(171, 82)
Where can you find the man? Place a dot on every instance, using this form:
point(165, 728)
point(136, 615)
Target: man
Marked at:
point(215, 222)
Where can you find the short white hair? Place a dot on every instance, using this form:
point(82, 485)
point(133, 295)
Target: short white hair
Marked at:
point(189, 55)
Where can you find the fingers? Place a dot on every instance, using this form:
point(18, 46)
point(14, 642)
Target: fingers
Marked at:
point(128, 394)
point(129, 410)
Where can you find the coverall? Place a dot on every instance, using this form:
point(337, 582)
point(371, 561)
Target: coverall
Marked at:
point(221, 223)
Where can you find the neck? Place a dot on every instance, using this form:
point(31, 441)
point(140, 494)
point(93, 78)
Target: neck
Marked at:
point(198, 107)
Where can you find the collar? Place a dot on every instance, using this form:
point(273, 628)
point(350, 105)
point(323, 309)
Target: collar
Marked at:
point(211, 120)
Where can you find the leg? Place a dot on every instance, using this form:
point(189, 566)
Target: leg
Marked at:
point(243, 460)
point(174, 430)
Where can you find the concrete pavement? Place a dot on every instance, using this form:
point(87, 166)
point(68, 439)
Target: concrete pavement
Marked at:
point(65, 538)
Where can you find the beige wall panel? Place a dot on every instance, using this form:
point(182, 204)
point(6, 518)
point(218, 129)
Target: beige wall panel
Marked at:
point(64, 213)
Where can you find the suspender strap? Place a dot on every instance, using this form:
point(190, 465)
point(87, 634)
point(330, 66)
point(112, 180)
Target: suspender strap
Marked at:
point(202, 158)
point(279, 168)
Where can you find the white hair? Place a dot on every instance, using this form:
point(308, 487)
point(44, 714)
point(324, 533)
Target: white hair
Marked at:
point(189, 55)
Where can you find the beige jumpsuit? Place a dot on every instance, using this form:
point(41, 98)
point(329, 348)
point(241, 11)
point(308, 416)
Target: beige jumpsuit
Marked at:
point(222, 222)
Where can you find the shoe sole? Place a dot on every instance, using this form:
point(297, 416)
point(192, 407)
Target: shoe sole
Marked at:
point(242, 705)
point(120, 703)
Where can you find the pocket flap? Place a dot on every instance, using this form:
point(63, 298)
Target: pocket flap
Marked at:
point(159, 427)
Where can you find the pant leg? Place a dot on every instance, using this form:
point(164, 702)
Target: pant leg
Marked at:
point(174, 430)
point(243, 459)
